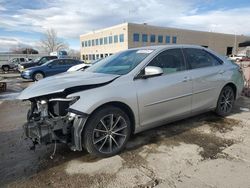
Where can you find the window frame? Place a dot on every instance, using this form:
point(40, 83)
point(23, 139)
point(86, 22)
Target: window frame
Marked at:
point(221, 62)
point(144, 35)
point(152, 38)
point(121, 38)
point(135, 35)
point(116, 40)
point(160, 37)
point(174, 39)
point(137, 76)
point(167, 39)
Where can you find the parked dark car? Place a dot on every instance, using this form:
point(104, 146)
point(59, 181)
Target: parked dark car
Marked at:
point(37, 62)
point(50, 68)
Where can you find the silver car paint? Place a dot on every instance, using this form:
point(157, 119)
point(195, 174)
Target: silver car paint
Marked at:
point(153, 100)
point(58, 83)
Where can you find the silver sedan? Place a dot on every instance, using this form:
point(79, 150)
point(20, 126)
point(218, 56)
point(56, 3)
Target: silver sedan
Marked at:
point(129, 92)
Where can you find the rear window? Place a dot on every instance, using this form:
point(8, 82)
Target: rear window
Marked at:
point(199, 58)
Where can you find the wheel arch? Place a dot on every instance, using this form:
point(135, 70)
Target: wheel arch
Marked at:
point(233, 86)
point(37, 71)
point(123, 107)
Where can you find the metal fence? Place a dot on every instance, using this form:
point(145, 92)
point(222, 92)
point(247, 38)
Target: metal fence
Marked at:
point(246, 70)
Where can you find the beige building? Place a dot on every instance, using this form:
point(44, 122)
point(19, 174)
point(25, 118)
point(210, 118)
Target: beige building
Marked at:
point(104, 42)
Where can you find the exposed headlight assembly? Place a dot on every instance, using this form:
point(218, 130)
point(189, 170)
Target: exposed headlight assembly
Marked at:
point(59, 106)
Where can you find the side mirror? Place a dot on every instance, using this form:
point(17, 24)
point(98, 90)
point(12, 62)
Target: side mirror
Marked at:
point(151, 71)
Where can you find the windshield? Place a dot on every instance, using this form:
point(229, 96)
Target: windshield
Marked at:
point(37, 59)
point(120, 63)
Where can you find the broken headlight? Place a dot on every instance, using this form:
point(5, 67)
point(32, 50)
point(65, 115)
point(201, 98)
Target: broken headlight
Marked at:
point(59, 106)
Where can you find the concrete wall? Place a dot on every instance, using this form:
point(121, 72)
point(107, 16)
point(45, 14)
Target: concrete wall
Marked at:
point(215, 41)
point(105, 48)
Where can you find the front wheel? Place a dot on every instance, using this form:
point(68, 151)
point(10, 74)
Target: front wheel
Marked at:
point(107, 132)
point(6, 68)
point(225, 101)
point(38, 76)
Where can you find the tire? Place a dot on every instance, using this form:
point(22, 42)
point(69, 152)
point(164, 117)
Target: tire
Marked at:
point(38, 76)
point(6, 68)
point(225, 101)
point(103, 139)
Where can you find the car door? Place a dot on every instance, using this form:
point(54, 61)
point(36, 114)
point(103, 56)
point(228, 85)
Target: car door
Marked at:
point(206, 70)
point(167, 96)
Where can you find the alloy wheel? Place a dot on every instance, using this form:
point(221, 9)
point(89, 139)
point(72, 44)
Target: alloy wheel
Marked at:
point(110, 133)
point(227, 99)
point(38, 76)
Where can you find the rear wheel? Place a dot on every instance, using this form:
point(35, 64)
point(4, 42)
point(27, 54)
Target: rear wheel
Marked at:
point(107, 132)
point(38, 76)
point(225, 101)
point(6, 68)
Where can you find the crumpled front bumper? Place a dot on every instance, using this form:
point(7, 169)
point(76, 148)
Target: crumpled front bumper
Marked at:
point(44, 132)
point(39, 132)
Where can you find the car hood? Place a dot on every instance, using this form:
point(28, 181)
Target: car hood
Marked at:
point(69, 81)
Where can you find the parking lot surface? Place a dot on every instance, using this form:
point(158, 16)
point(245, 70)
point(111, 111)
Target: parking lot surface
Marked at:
point(203, 151)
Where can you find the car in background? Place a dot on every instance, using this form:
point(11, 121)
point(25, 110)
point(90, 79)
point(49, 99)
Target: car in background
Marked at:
point(235, 57)
point(13, 63)
point(50, 68)
point(129, 92)
point(37, 62)
point(82, 66)
point(245, 59)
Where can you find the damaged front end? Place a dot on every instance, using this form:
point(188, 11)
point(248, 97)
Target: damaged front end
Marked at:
point(51, 120)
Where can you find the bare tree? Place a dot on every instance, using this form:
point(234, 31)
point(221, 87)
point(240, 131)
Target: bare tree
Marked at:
point(50, 42)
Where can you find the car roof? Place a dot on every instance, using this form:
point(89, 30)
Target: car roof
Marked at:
point(158, 47)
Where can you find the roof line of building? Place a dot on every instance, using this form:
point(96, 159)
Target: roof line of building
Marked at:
point(154, 26)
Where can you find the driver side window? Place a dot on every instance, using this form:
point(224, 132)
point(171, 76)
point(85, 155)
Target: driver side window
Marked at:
point(170, 61)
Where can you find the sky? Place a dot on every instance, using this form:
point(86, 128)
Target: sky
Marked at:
point(23, 22)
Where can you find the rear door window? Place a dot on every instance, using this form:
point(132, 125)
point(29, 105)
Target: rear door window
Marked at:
point(199, 58)
point(170, 61)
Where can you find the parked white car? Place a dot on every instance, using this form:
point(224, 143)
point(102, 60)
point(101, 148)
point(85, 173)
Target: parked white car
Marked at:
point(81, 66)
point(235, 57)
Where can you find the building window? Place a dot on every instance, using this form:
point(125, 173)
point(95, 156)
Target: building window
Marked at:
point(89, 42)
point(105, 40)
point(101, 41)
point(144, 38)
point(82, 43)
point(174, 39)
point(167, 39)
point(96, 42)
point(110, 39)
point(83, 57)
point(90, 57)
point(136, 37)
point(115, 38)
point(93, 56)
point(152, 38)
point(101, 55)
point(86, 43)
point(87, 57)
point(160, 39)
point(97, 56)
point(121, 37)
point(93, 42)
